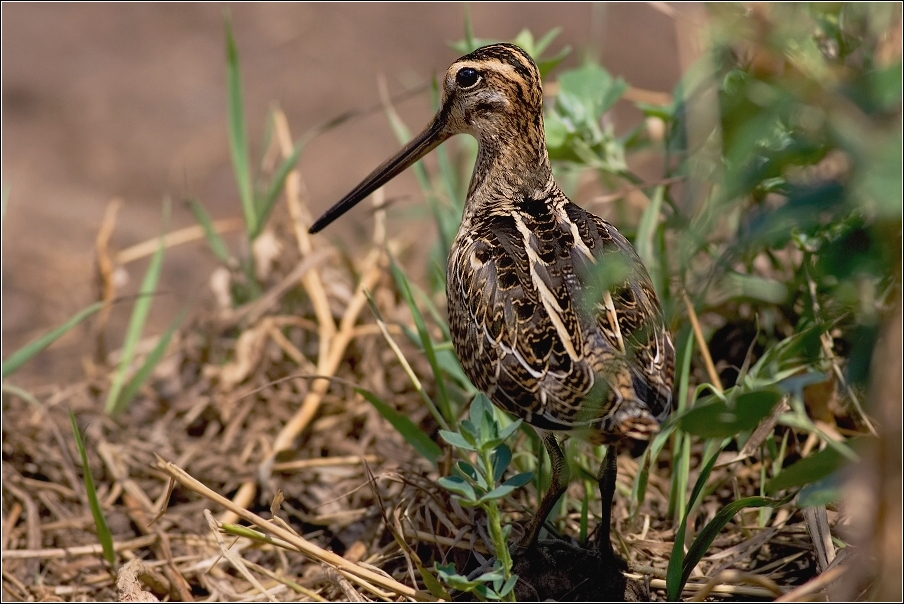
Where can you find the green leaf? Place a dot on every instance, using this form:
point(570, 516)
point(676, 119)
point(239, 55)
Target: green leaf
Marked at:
point(822, 492)
point(144, 372)
point(502, 457)
point(448, 363)
point(680, 449)
point(519, 480)
point(525, 39)
point(448, 574)
point(647, 228)
point(544, 42)
point(456, 440)
point(24, 354)
point(593, 87)
point(469, 431)
point(100, 521)
point(216, 243)
point(404, 426)
point(715, 418)
point(238, 133)
point(266, 203)
point(23, 394)
point(515, 482)
point(460, 487)
point(433, 585)
point(481, 410)
point(138, 319)
point(497, 493)
point(508, 587)
point(753, 287)
point(509, 430)
point(556, 131)
point(448, 215)
point(809, 469)
point(467, 469)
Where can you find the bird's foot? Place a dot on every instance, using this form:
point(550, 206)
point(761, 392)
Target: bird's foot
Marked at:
point(562, 570)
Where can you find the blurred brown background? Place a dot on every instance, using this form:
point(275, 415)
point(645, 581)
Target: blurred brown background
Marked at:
point(129, 101)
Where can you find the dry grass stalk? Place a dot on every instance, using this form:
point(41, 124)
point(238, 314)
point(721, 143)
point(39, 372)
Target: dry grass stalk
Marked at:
point(701, 343)
point(81, 550)
point(302, 545)
point(227, 552)
point(106, 266)
point(177, 237)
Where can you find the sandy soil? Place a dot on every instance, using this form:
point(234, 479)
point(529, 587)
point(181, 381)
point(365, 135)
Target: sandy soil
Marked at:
point(128, 101)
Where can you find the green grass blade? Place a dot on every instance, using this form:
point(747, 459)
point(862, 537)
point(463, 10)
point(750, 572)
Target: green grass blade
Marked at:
point(403, 134)
point(438, 318)
point(674, 573)
point(427, 343)
point(448, 216)
point(266, 139)
point(434, 410)
point(808, 470)
point(404, 426)
point(646, 232)
point(639, 489)
point(100, 522)
point(546, 40)
point(137, 321)
point(238, 133)
point(144, 372)
point(681, 443)
point(681, 467)
point(798, 419)
point(265, 206)
point(216, 243)
point(706, 537)
point(24, 354)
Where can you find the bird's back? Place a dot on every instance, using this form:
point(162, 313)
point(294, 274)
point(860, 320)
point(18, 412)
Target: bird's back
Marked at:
point(555, 318)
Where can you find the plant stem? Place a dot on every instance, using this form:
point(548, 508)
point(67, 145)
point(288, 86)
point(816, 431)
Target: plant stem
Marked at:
point(494, 520)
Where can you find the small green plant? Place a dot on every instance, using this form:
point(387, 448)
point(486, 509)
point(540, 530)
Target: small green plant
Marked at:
point(476, 483)
point(681, 564)
point(258, 194)
point(100, 521)
point(124, 386)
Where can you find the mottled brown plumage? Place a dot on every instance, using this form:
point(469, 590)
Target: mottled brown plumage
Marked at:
point(551, 311)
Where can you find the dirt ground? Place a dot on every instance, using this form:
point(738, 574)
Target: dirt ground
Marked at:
point(128, 101)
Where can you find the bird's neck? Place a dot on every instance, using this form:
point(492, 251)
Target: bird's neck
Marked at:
point(511, 166)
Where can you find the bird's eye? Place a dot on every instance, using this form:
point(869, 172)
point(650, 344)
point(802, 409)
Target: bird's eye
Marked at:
point(467, 77)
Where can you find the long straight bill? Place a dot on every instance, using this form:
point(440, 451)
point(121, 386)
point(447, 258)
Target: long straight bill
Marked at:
point(417, 148)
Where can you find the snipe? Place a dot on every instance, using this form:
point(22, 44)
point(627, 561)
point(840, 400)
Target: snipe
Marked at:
point(551, 311)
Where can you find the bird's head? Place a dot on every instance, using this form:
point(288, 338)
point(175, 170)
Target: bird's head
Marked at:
point(494, 94)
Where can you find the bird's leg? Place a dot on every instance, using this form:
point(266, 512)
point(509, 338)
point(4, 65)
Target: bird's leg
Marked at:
point(557, 485)
point(606, 478)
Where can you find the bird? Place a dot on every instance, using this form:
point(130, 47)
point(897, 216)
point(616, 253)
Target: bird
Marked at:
point(552, 313)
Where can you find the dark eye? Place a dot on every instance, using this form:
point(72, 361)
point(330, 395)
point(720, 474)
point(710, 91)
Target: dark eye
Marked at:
point(467, 77)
